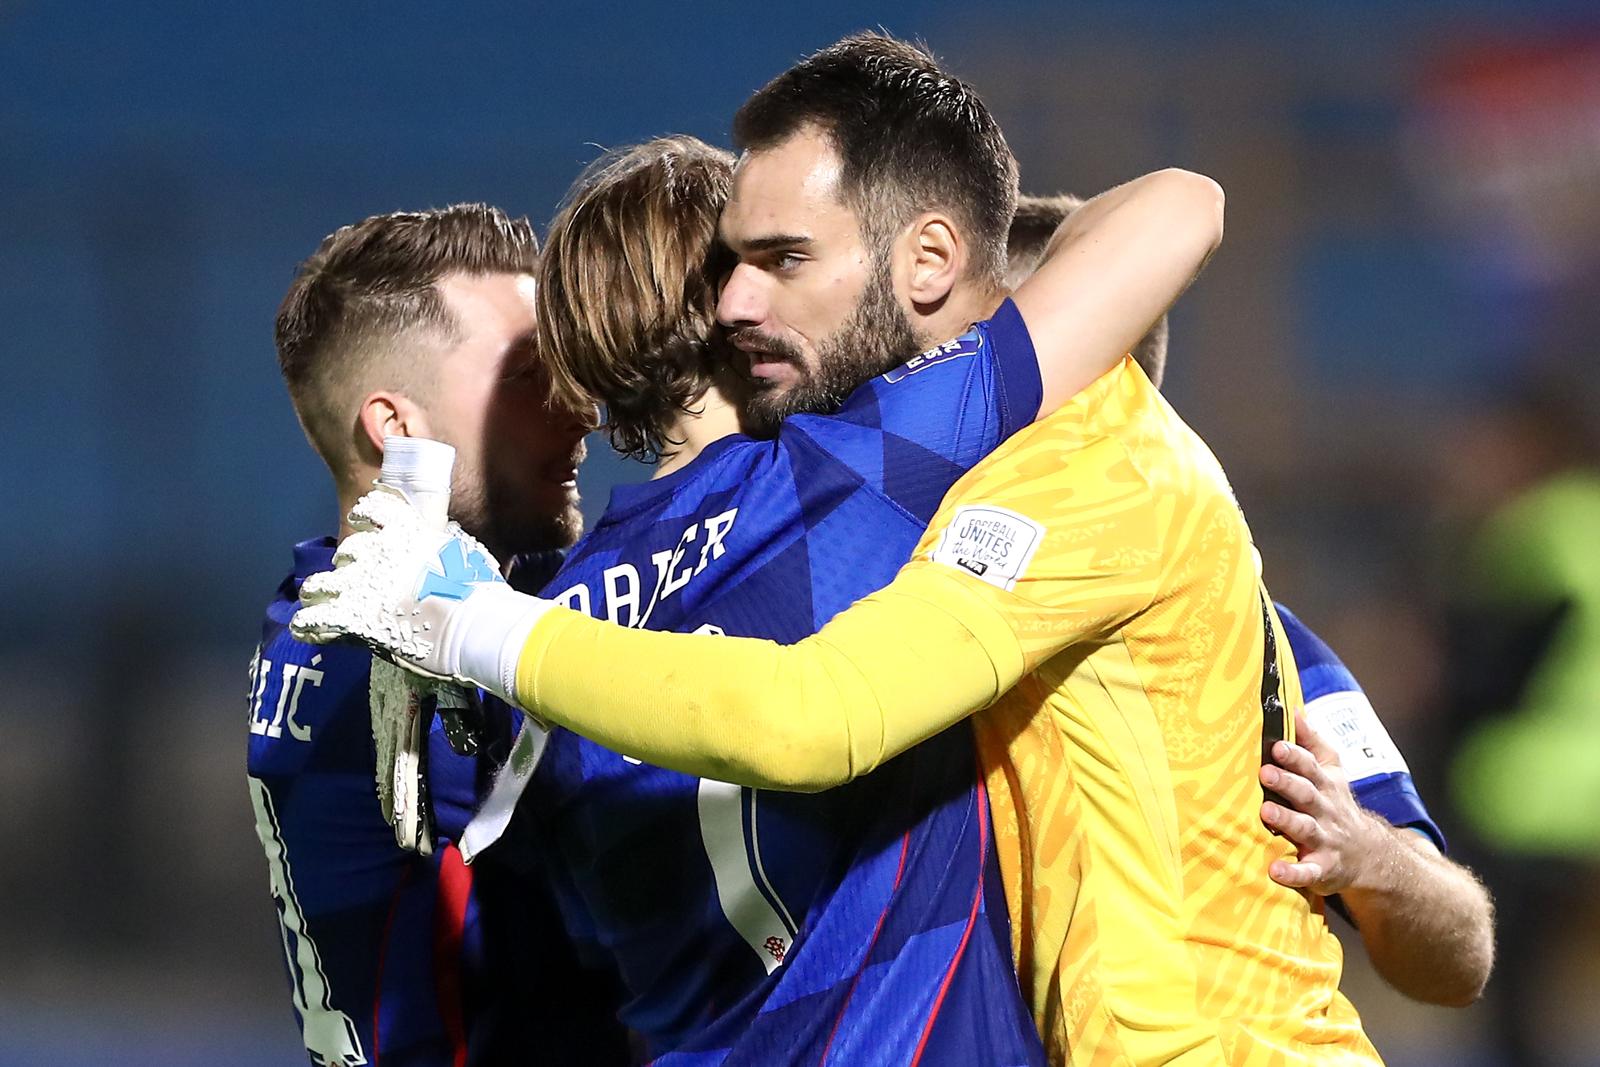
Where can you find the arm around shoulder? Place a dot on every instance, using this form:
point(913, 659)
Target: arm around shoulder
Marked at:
point(1112, 269)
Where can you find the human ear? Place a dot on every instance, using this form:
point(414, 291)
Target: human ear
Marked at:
point(387, 414)
point(934, 256)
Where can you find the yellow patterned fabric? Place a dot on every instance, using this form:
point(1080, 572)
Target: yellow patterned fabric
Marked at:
point(1092, 586)
point(1122, 770)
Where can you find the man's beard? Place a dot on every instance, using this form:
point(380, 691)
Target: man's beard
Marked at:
point(877, 337)
point(510, 522)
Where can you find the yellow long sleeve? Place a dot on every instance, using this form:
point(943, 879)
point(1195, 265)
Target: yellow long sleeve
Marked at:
point(893, 670)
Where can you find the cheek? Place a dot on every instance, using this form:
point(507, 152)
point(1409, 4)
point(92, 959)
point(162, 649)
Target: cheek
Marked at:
point(831, 300)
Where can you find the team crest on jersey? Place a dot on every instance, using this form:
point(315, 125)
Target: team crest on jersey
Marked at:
point(968, 344)
point(990, 543)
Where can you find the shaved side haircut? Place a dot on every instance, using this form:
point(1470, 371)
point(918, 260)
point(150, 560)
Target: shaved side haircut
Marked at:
point(365, 311)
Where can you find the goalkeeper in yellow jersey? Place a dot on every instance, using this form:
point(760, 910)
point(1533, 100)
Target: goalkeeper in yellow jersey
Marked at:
point(1092, 584)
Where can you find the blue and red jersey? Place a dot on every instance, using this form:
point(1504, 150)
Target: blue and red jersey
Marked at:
point(394, 958)
point(863, 925)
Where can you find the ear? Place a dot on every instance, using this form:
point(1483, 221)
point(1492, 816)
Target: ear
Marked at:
point(933, 257)
point(386, 414)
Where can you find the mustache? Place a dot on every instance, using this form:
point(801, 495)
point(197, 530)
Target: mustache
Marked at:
point(750, 340)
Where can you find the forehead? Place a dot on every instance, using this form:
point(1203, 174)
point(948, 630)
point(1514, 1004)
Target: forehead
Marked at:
point(501, 304)
point(790, 188)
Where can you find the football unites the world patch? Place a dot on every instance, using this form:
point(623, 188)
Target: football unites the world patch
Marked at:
point(990, 543)
point(968, 344)
point(1349, 723)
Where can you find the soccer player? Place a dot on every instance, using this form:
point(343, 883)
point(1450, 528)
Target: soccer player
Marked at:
point(1094, 583)
point(862, 925)
point(1426, 922)
point(1125, 769)
point(412, 324)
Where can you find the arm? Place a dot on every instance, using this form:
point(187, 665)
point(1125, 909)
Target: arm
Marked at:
point(1084, 307)
point(803, 717)
point(894, 669)
point(1426, 922)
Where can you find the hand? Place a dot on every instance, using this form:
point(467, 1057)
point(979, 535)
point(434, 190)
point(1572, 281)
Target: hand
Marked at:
point(1334, 834)
point(398, 586)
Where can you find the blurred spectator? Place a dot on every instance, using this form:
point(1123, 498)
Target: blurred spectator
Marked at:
point(1524, 639)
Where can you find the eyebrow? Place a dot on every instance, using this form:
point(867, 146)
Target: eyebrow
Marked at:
point(768, 242)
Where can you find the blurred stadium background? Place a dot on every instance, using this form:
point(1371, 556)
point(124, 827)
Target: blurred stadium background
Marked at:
point(1413, 243)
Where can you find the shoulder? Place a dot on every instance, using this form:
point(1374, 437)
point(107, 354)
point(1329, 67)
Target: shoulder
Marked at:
point(1322, 672)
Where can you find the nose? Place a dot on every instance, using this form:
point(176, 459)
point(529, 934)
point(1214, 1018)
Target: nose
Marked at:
point(742, 301)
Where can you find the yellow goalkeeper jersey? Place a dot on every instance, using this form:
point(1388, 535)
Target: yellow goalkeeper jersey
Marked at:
point(1092, 588)
point(1122, 769)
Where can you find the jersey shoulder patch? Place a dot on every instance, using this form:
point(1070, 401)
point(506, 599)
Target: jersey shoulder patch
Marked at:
point(1351, 725)
point(993, 544)
point(968, 344)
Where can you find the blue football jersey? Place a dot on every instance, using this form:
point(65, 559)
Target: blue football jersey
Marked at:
point(419, 960)
point(862, 925)
point(1337, 709)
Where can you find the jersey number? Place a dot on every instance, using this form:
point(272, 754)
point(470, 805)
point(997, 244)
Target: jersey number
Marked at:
point(329, 1034)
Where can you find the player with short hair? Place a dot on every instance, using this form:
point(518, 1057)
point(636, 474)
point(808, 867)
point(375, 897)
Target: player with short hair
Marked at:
point(1237, 1039)
point(1134, 991)
point(412, 324)
point(863, 925)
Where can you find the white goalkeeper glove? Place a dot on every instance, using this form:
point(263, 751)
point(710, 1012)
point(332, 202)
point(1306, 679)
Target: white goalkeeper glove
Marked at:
point(400, 736)
point(433, 602)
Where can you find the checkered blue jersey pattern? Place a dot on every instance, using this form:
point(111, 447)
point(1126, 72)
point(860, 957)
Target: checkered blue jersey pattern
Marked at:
point(1339, 710)
point(419, 961)
point(864, 925)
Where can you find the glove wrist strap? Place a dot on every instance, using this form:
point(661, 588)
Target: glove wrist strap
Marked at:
point(495, 623)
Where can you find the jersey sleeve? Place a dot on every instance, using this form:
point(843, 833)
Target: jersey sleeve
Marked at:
point(1338, 709)
point(997, 588)
point(911, 433)
point(893, 670)
point(1060, 560)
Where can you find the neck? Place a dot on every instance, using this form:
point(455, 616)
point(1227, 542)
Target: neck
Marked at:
point(714, 416)
point(958, 311)
point(352, 487)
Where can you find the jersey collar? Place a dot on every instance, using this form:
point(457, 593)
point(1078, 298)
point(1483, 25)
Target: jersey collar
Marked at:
point(626, 499)
point(313, 557)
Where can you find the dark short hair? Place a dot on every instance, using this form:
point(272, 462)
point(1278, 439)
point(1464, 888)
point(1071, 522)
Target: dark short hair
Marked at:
point(1036, 221)
point(910, 137)
point(368, 288)
point(628, 288)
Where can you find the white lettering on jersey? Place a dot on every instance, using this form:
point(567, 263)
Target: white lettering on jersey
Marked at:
point(328, 1033)
point(576, 598)
point(301, 677)
point(965, 345)
point(717, 528)
point(677, 581)
point(673, 572)
point(622, 591)
point(1352, 727)
point(992, 544)
point(260, 669)
point(290, 685)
